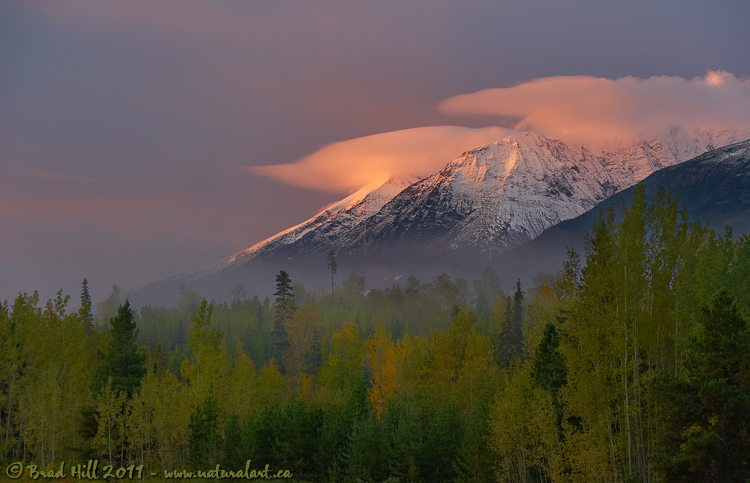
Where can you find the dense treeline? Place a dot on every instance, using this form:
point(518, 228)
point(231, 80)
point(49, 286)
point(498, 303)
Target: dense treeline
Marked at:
point(630, 365)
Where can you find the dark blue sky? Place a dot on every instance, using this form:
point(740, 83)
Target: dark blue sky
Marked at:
point(124, 126)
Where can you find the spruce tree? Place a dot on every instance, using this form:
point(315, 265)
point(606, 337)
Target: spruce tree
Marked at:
point(332, 266)
point(475, 460)
point(705, 422)
point(84, 313)
point(233, 457)
point(548, 367)
point(510, 343)
point(120, 372)
point(124, 365)
point(284, 308)
point(205, 440)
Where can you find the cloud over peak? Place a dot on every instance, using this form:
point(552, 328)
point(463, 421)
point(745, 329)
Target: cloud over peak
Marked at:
point(590, 109)
point(579, 109)
point(346, 166)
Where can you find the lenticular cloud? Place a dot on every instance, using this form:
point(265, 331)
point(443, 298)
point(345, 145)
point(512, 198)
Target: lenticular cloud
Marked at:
point(349, 165)
point(579, 109)
point(589, 109)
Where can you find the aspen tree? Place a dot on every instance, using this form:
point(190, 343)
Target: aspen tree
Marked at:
point(207, 366)
point(383, 361)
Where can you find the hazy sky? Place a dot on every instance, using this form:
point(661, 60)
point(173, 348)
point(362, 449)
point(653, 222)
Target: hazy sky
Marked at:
point(138, 137)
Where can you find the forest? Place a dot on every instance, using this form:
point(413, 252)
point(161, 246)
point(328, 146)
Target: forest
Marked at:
point(632, 364)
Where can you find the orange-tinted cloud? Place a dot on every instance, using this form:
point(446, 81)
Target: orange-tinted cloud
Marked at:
point(349, 165)
point(580, 109)
point(590, 109)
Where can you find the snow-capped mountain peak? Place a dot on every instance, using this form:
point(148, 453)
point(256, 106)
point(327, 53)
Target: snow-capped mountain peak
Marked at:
point(486, 201)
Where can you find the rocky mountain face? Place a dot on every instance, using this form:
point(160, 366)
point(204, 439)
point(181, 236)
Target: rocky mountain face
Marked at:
point(483, 203)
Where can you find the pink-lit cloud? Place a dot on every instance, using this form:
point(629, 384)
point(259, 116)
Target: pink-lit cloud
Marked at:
point(349, 165)
point(590, 109)
point(580, 109)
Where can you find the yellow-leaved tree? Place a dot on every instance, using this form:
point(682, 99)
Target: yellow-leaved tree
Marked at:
point(207, 364)
point(384, 359)
point(241, 392)
point(344, 363)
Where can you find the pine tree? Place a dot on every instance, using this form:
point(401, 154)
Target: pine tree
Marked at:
point(108, 308)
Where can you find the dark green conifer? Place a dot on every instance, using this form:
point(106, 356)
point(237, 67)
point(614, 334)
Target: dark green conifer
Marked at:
point(84, 313)
point(123, 364)
point(233, 457)
point(205, 440)
point(332, 266)
point(548, 367)
point(510, 340)
point(705, 420)
point(284, 307)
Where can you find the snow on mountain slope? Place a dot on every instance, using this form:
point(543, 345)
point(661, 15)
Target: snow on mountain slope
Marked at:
point(320, 231)
point(486, 201)
point(503, 194)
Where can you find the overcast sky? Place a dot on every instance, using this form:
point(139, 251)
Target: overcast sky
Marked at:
point(139, 138)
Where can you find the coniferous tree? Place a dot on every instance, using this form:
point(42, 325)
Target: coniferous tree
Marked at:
point(259, 312)
point(705, 423)
point(332, 266)
point(510, 344)
point(442, 443)
point(475, 461)
point(285, 308)
point(124, 364)
point(548, 367)
point(117, 378)
point(84, 313)
point(232, 455)
point(178, 340)
point(205, 440)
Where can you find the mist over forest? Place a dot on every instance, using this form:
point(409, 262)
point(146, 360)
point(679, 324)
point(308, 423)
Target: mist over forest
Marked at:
point(629, 364)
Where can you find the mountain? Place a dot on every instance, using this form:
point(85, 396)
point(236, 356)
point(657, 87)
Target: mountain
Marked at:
point(498, 196)
point(485, 202)
point(714, 187)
